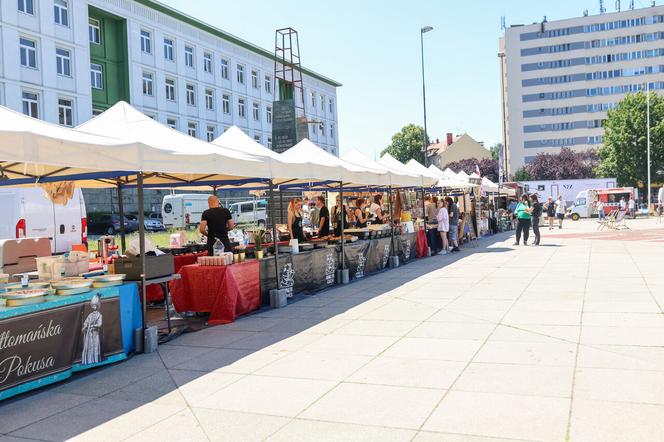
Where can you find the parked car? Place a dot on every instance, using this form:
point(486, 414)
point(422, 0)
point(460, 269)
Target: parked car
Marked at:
point(153, 222)
point(109, 224)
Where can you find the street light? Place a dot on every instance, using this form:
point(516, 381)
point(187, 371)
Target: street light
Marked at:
point(423, 31)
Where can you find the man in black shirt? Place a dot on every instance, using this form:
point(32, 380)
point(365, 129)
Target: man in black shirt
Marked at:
point(215, 224)
point(323, 216)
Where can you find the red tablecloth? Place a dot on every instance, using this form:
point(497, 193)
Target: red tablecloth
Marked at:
point(226, 292)
point(154, 292)
point(421, 243)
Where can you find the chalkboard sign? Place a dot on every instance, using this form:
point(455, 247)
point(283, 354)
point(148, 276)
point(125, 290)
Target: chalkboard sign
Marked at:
point(284, 132)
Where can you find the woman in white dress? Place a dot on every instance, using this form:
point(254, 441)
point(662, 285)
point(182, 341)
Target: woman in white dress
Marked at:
point(443, 222)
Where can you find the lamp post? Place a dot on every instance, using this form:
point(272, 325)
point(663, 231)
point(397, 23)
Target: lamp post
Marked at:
point(423, 31)
point(648, 150)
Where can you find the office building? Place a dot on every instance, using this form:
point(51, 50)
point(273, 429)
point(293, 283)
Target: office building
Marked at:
point(561, 77)
point(64, 61)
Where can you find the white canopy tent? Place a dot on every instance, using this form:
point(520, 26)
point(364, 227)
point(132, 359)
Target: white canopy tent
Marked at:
point(397, 178)
point(419, 169)
point(391, 162)
point(489, 186)
point(326, 166)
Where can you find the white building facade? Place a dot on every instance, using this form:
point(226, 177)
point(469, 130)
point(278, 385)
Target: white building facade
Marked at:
point(561, 77)
point(64, 61)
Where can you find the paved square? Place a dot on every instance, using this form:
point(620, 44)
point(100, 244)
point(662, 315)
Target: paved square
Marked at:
point(552, 343)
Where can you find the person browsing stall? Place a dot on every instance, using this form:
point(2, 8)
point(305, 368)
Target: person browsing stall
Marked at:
point(323, 217)
point(295, 220)
point(216, 222)
point(376, 210)
point(336, 217)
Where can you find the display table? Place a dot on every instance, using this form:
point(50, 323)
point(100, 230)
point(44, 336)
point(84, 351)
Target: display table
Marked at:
point(44, 343)
point(154, 292)
point(225, 292)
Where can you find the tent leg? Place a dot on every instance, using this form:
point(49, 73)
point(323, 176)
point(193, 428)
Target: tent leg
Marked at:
point(343, 276)
point(141, 241)
point(123, 242)
point(278, 296)
point(393, 260)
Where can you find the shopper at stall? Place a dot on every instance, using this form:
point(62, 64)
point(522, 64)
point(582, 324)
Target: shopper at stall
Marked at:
point(453, 213)
point(431, 214)
point(360, 215)
point(215, 224)
point(443, 223)
point(323, 217)
point(376, 210)
point(535, 215)
point(550, 212)
point(295, 220)
point(560, 211)
point(336, 217)
point(522, 220)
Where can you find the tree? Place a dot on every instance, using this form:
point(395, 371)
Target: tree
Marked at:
point(623, 155)
point(522, 174)
point(488, 167)
point(495, 151)
point(407, 143)
point(565, 165)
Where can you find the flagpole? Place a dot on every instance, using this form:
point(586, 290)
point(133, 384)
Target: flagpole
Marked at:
point(648, 150)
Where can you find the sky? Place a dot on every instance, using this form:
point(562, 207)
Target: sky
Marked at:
point(372, 47)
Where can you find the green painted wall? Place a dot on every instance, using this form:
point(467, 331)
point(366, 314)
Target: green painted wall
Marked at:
point(285, 90)
point(112, 55)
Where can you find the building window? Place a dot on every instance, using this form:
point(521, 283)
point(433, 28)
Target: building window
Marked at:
point(169, 49)
point(322, 103)
point(269, 142)
point(209, 133)
point(61, 12)
point(224, 69)
point(189, 56)
point(240, 107)
point(257, 112)
point(207, 62)
point(268, 114)
point(191, 95)
point(226, 103)
point(191, 129)
point(96, 76)
point(65, 112)
point(209, 99)
point(170, 89)
point(313, 100)
point(27, 6)
point(331, 103)
point(257, 138)
point(31, 104)
point(63, 62)
point(94, 31)
point(147, 84)
point(28, 49)
point(172, 123)
point(268, 84)
point(332, 131)
point(254, 79)
point(240, 74)
point(146, 41)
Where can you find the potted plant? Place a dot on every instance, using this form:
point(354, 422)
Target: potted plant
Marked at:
point(259, 238)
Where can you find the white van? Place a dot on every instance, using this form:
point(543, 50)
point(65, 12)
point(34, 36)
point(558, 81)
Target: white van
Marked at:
point(28, 213)
point(182, 210)
point(249, 212)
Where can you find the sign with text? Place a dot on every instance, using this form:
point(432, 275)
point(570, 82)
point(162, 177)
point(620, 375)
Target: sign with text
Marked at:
point(284, 129)
point(50, 341)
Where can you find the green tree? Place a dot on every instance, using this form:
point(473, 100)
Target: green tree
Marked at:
point(407, 144)
point(522, 174)
point(623, 155)
point(495, 151)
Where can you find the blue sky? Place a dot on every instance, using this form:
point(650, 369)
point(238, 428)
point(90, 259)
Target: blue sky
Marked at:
point(373, 48)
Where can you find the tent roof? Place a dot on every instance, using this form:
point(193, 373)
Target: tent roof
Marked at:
point(415, 166)
point(235, 139)
point(397, 178)
point(326, 166)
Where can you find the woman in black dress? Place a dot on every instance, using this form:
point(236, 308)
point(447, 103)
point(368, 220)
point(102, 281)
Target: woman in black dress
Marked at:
point(295, 220)
point(360, 216)
point(535, 214)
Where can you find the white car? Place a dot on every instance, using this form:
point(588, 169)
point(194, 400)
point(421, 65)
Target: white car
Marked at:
point(153, 223)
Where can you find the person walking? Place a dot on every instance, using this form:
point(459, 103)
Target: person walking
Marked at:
point(560, 211)
point(535, 215)
point(550, 212)
point(522, 220)
point(443, 218)
point(631, 205)
point(453, 234)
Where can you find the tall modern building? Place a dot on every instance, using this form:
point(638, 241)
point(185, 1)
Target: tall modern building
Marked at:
point(561, 77)
point(65, 61)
